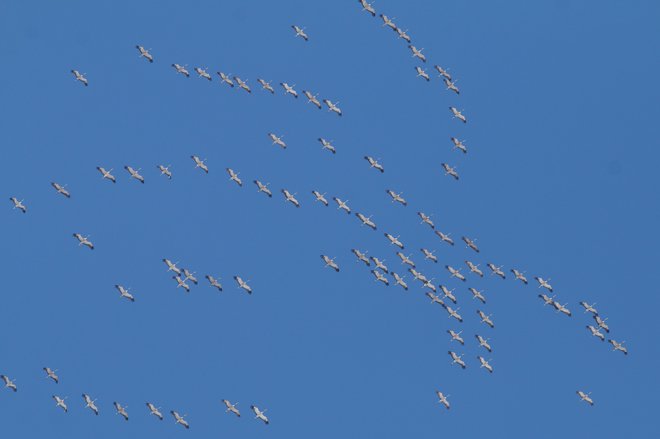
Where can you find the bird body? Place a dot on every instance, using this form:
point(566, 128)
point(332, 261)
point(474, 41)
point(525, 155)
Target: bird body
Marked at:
point(320, 198)
point(50, 373)
point(300, 32)
point(144, 53)
point(202, 73)
point(199, 163)
point(476, 294)
point(121, 410)
point(458, 114)
point(288, 196)
point(214, 282)
point(61, 189)
point(134, 173)
point(90, 404)
point(277, 140)
point(18, 204)
point(330, 262)
point(124, 293)
point(361, 256)
point(180, 419)
point(243, 284)
point(374, 163)
point(9, 384)
point(366, 220)
point(457, 359)
point(153, 410)
point(59, 402)
point(82, 240)
point(107, 174)
point(181, 69)
point(233, 176)
point(474, 269)
point(266, 85)
point(260, 414)
point(455, 273)
point(263, 188)
point(231, 407)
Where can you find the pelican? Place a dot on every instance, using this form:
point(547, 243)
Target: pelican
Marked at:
point(172, 266)
point(60, 403)
point(181, 69)
point(396, 197)
point(476, 294)
point(474, 269)
point(134, 174)
point(483, 342)
point(266, 85)
point(226, 79)
point(429, 255)
point(342, 205)
point(366, 221)
point(18, 204)
point(420, 72)
point(374, 163)
point(442, 399)
point(199, 163)
point(457, 359)
point(259, 414)
point(403, 35)
point(313, 99)
point(83, 240)
point(333, 106)
point(426, 219)
point(361, 256)
point(561, 308)
point(243, 284)
point(380, 277)
point(231, 407)
point(405, 259)
point(300, 32)
point(179, 419)
point(181, 283)
point(107, 174)
point(165, 170)
point(589, 308)
point(277, 140)
point(450, 171)
point(388, 22)
point(458, 115)
point(188, 275)
point(330, 262)
point(618, 346)
point(455, 273)
point(145, 53)
point(452, 312)
point(456, 336)
point(80, 77)
point(89, 403)
point(596, 332)
point(471, 243)
point(288, 89)
point(9, 384)
point(214, 282)
point(417, 53)
point(400, 281)
point(320, 197)
point(367, 7)
point(417, 275)
point(443, 72)
point(449, 294)
point(124, 293)
point(496, 270)
point(520, 276)
point(585, 397)
point(485, 364)
point(379, 264)
point(153, 410)
point(429, 284)
point(242, 84)
point(50, 373)
point(547, 300)
point(458, 144)
point(394, 240)
point(444, 237)
point(325, 144)
point(288, 196)
point(434, 298)
point(485, 319)
point(61, 189)
point(451, 86)
point(121, 410)
point(263, 188)
point(233, 176)
point(601, 322)
point(543, 283)
point(202, 73)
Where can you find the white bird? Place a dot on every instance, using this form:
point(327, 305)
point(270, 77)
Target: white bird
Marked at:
point(202, 73)
point(366, 220)
point(59, 402)
point(442, 399)
point(585, 397)
point(379, 264)
point(121, 410)
point(543, 283)
point(366, 6)
point(134, 173)
point(445, 237)
point(452, 312)
point(181, 283)
point(288, 89)
point(426, 219)
point(601, 322)
point(243, 284)
point(444, 73)
point(388, 22)
point(485, 364)
point(485, 319)
point(231, 407)
point(80, 77)
point(361, 256)
point(214, 282)
point(83, 240)
point(226, 78)
point(60, 189)
point(417, 53)
point(90, 404)
point(405, 259)
point(547, 300)
point(277, 140)
point(496, 270)
point(9, 384)
point(451, 86)
point(188, 275)
point(417, 275)
point(403, 34)
point(596, 332)
point(450, 170)
point(242, 84)
point(320, 197)
point(380, 277)
point(145, 53)
point(455, 273)
point(396, 197)
point(434, 298)
point(125, 293)
point(330, 262)
point(618, 346)
point(343, 205)
point(259, 414)
point(313, 99)
point(172, 266)
point(474, 269)
point(300, 32)
point(456, 336)
point(181, 69)
point(288, 196)
point(233, 176)
point(561, 308)
point(420, 72)
point(400, 281)
point(449, 294)
point(374, 163)
point(476, 294)
point(520, 276)
point(457, 114)
point(179, 419)
point(155, 411)
point(107, 174)
point(199, 163)
point(266, 85)
point(589, 308)
point(263, 188)
point(333, 106)
point(457, 359)
point(483, 342)
point(458, 144)
point(165, 170)
point(429, 255)
point(50, 373)
point(394, 240)
point(429, 284)
point(18, 204)
point(325, 144)
point(471, 243)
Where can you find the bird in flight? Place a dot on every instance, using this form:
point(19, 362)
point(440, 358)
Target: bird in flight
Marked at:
point(300, 32)
point(145, 53)
point(18, 204)
point(84, 240)
point(106, 174)
point(181, 69)
point(80, 77)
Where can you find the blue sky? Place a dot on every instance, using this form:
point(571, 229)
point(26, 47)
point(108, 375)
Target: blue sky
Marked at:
point(559, 181)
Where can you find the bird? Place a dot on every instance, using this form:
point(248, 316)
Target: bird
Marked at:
point(547, 300)
point(405, 259)
point(188, 275)
point(243, 284)
point(366, 220)
point(451, 86)
point(483, 342)
point(121, 410)
point(199, 163)
point(417, 275)
point(426, 219)
point(288, 89)
point(288, 196)
point(394, 240)
point(50, 373)
point(543, 283)
point(457, 359)
point(214, 282)
point(179, 419)
point(403, 34)
point(450, 171)
point(231, 407)
point(471, 243)
point(396, 197)
point(618, 346)
point(145, 53)
point(59, 402)
point(366, 6)
point(226, 79)
point(474, 269)
point(601, 322)
point(107, 174)
point(332, 106)
point(181, 69)
point(444, 73)
point(203, 73)
point(379, 264)
point(429, 255)
point(561, 308)
point(165, 170)
point(124, 293)
point(263, 188)
point(400, 281)
point(374, 163)
point(596, 332)
point(80, 77)
point(18, 204)
point(266, 85)
point(343, 205)
point(434, 298)
point(9, 384)
point(455, 273)
point(260, 414)
point(312, 99)
point(442, 399)
point(457, 114)
point(153, 410)
point(277, 140)
point(330, 262)
point(449, 294)
point(589, 308)
point(456, 336)
point(421, 73)
point(361, 256)
point(485, 319)
point(496, 270)
point(458, 144)
point(300, 32)
point(520, 276)
point(325, 144)
point(380, 277)
point(60, 189)
point(585, 397)
point(172, 267)
point(83, 240)
point(242, 84)
point(181, 283)
point(417, 53)
point(452, 312)
point(388, 22)
point(485, 364)
point(233, 176)
point(476, 294)
point(429, 284)
point(134, 174)
point(90, 404)
point(320, 198)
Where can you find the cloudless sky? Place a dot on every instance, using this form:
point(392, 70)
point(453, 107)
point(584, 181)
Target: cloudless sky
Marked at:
point(560, 181)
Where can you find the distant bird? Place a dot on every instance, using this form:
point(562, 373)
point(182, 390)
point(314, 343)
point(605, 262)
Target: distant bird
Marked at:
point(561, 308)
point(288, 89)
point(451, 86)
point(61, 189)
point(442, 399)
point(366, 6)
point(155, 411)
point(421, 73)
point(83, 240)
point(188, 275)
point(342, 204)
point(107, 174)
point(585, 397)
point(172, 267)
point(618, 346)
point(379, 264)
point(325, 144)
point(320, 198)
point(496, 270)
point(181, 69)
point(443, 72)
point(457, 114)
point(394, 240)
point(400, 281)
point(231, 407)
point(485, 364)
point(80, 77)
point(259, 414)
point(181, 283)
point(366, 220)
point(589, 308)
point(361, 256)
point(313, 99)
point(9, 384)
point(601, 322)
point(330, 262)
point(300, 32)
point(450, 171)
point(242, 84)
point(50, 373)
point(179, 419)
point(277, 140)
point(457, 359)
point(125, 293)
point(596, 332)
point(547, 300)
point(485, 319)
point(226, 79)
point(121, 410)
point(471, 243)
point(417, 275)
point(403, 35)
point(434, 298)
point(543, 283)
point(449, 294)
point(429, 284)
point(476, 294)
point(426, 219)
point(396, 197)
point(59, 402)
point(165, 170)
point(266, 85)
point(199, 163)
point(233, 176)
point(455, 273)
point(134, 174)
point(417, 53)
point(263, 188)
point(374, 163)
point(429, 255)
point(202, 73)
point(388, 22)
point(520, 276)
point(380, 277)
point(214, 282)
point(243, 284)
point(18, 204)
point(145, 53)
point(405, 259)
point(90, 404)
point(288, 196)
point(483, 342)
point(452, 312)
point(333, 106)
point(456, 336)
point(459, 145)
point(474, 269)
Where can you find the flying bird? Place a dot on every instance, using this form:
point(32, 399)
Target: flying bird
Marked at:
point(374, 163)
point(107, 174)
point(434, 298)
point(181, 283)
point(233, 176)
point(180, 419)
point(231, 407)
point(394, 240)
point(343, 205)
point(203, 73)
point(243, 284)
point(596, 332)
point(426, 219)
point(361, 256)
point(442, 399)
point(60, 189)
point(450, 171)
point(80, 77)
point(145, 53)
point(547, 300)
point(121, 410)
point(155, 411)
point(199, 163)
point(618, 346)
point(458, 144)
point(403, 34)
point(429, 255)
point(585, 397)
point(165, 170)
point(259, 414)
point(601, 322)
point(471, 243)
point(288, 196)
point(242, 84)
point(214, 282)
point(485, 319)
point(9, 384)
point(226, 79)
point(485, 364)
point(543, 283)
point(266, 85)
point(288, 89)
point(455, 273)
point(172, 267)
point(50, 373)
point(520, 276)
point(325, 144)
point(300, 32)
point(417, 53)
point(474, 269)
point(380, 277)
point(134, 174)
point(18, 204)
point(456, 336)
point(444, 237)
point(496, 270)
point(181, 69)
point(188, 275)
point(388, 22)
point(476, 294)
point(483, 342)
point(452, 312)
point(400, 281)
point(90, 404)
point(457, 114)
point(366, 221)
point(320, 198)
point(330, 262)
point(263, 188)
point(313, 99)
point(405, 259)
point(277, 140)
point(449, 294)
point(589, 308)
point(333, 106)
point(124, 293)
point(457, 359)
point(396, 198)
point(82, 240)
point(444, 73)
point(561, 308)
point(379, 264)
point(366, 6)
point(59, 402)
point(421, 73)
point(451, 86)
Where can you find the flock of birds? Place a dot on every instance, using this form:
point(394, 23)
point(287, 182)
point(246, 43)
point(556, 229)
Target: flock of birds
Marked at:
point(439, 294)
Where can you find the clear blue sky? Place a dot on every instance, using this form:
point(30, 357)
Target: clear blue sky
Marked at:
point(560, 181)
